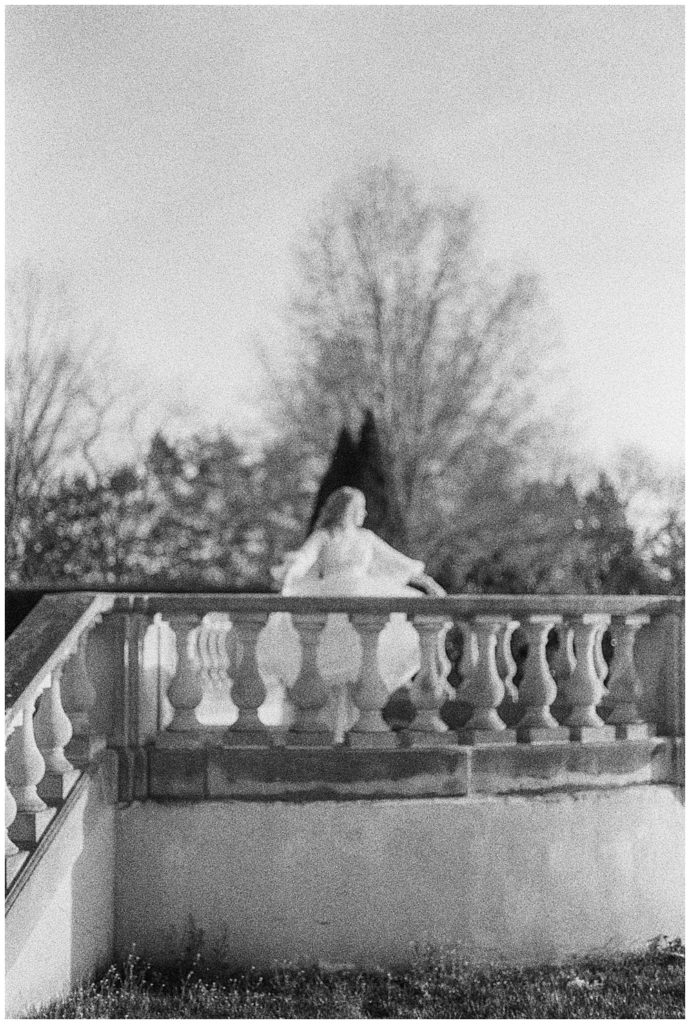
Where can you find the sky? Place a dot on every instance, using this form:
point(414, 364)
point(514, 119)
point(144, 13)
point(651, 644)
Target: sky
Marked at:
point(168, 159)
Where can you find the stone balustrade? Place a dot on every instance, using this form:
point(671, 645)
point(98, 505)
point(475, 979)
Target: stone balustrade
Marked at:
point(562, 701)
point(48, 736)
point(162, 656)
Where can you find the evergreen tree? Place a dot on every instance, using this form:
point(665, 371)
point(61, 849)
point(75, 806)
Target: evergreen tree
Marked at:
point(384, 515)
point(342, 472)
point(362, 464)
point(611, 563)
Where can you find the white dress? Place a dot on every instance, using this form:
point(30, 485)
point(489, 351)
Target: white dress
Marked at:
point(352, 562)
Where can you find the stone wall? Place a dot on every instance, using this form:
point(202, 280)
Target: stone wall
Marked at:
point(361, 882)
point(59, 921)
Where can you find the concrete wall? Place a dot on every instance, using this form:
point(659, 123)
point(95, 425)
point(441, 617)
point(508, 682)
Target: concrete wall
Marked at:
point(60, 922)
point(361, 882)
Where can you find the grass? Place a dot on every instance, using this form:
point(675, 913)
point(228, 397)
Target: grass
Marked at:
point(647, 984)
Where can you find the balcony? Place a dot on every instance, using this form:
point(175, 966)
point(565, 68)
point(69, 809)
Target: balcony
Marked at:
point(527, 809)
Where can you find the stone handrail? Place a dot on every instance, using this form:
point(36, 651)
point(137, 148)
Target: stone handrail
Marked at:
point(46, 747)
point(452, 606)
point(46, 638)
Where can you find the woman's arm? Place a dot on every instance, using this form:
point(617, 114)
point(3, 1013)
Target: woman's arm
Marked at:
point(391, 563)
point(298, 563)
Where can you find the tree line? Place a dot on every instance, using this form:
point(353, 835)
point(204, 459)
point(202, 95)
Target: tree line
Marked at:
point(201, 513)
point(417, 371)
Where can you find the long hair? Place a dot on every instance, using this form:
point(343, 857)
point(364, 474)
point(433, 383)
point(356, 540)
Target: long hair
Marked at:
point(333, 512)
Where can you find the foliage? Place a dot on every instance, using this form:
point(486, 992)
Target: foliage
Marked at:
point(83, 531)
point(195, 514)
point(437, 985)
point(202, 529)
point(200, 514)
point(282, 499)
point(665, 552)
point(560, 542)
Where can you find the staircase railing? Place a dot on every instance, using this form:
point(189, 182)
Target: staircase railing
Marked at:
point(48, 735)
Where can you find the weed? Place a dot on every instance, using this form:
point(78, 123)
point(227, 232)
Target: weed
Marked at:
point(444, 983)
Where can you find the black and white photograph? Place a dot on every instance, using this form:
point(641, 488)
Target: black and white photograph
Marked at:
point(344, 511)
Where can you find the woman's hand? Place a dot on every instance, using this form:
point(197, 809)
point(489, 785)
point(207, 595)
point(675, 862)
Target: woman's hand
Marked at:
point(434, 589)
point(430, 587)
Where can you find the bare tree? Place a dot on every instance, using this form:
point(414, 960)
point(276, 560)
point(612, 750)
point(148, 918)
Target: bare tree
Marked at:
point(57, 395)
point(648, 485)
point(394, 312)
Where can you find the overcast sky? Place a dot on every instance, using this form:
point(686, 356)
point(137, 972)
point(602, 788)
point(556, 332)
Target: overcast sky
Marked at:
point(167, 159)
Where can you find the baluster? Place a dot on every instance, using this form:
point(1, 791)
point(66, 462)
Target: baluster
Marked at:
point(467, 665)
point(143, 679)
point(602, 670)
point(185, 692)
point(10, 815)
point(225, 648)
point(485, 690)
point(212, 655)
point(455, 711)
point(370, 693)
point(78, 697)
point(584, 690)
point(24, 770)
point(509, 708)
point(506, 665)
point(14, 857)
point(220, 658)
point(562, 670)
point(600, 665)
point(538, 688)
point(53, 731)
point(469, 657)
point(308, 694)
point(199, 641)
point(248, 690)
point(428, 690)
point(624, 683)
point(231, 655)
point(208, 652)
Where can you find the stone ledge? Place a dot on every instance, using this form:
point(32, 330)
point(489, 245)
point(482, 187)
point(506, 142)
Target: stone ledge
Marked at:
point(575, 765)
point(337, 773)
point(176, 774)
point(218, 772)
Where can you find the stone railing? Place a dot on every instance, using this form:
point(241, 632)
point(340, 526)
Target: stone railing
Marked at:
point(172, 672)
point(48, 735)
point(575, 695)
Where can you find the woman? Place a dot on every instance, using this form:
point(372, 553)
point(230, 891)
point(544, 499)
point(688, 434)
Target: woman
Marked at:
point(341, 558)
